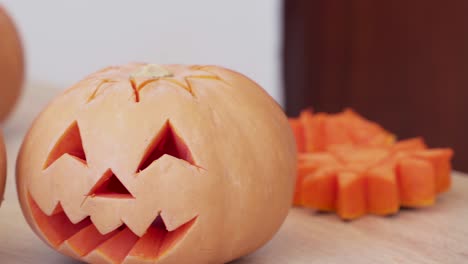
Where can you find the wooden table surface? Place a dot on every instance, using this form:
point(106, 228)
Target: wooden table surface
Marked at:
point(434, 235)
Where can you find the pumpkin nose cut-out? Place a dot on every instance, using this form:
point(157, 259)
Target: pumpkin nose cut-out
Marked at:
point(167, 142)
point(110, 186)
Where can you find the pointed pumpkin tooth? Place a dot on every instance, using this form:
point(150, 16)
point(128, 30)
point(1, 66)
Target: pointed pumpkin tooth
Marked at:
point(351, 195)
point(175, 219)
point(84, 241)
point(68, 171)
point(105, 212)
point(139, 219)
point(115, 249)
point(104, 224)
point(47, 203)
point(73, 214)
point(416, 179)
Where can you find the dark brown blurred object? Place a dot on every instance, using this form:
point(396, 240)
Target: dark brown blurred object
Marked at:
point(401, 63)
point(11, 64)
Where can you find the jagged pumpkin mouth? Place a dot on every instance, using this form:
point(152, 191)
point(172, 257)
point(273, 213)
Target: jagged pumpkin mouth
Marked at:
point(84, 240)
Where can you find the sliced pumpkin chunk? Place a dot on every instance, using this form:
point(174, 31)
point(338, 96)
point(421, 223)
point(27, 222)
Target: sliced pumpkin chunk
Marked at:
point(336, 132)
point(308, 164)
point(351, 199)
point(363, 132)
point(440, 160)
point(313, 130)
point(319, 189)
point(349, 154)
point(416, 179)
point(411, 144)
point(382, 191)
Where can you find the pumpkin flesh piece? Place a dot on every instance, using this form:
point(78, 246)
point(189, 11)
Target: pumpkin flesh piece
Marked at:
point(335, 132)
point(361, 131)
point(313, 130)
point(416, 179)
point(440, 160)
point(307, 164)
point(382, 191)
point(302, 171)
point(319, 189)
point(364, 133)
point(411, 144)
point(351, 200)
point(351, 156)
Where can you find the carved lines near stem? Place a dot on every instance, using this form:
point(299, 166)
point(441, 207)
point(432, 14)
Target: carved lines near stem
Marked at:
point(137, 87)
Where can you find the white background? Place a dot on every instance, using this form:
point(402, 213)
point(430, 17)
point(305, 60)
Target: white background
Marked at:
point(66, 40)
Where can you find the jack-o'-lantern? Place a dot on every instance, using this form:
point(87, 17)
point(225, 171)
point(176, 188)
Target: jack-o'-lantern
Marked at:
point(158, 164)
point(11, 64)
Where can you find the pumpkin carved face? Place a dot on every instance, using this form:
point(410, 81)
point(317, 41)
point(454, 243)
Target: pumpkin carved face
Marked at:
point(11, 64)
point(151, 164)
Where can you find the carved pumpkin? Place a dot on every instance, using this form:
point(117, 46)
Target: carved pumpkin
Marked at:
point(11, 64)
point(3, 168)
point(167, 164)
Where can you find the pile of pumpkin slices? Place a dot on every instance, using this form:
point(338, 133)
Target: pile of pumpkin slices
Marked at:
point(353, 166)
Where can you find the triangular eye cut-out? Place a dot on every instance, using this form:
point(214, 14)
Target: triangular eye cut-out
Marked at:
point(166, 142)
point(110, 186)
point(69, 143)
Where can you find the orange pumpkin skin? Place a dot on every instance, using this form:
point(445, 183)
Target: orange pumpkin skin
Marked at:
point(94, 184)
point(11, 64)
point(3, 167)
